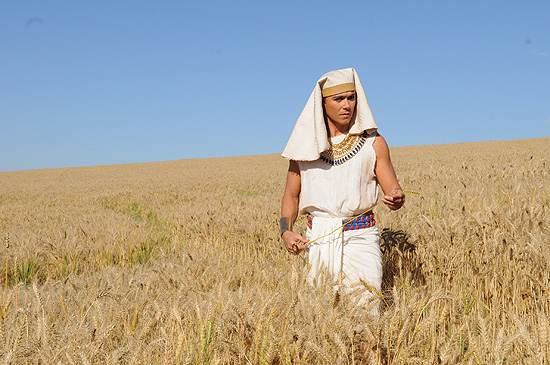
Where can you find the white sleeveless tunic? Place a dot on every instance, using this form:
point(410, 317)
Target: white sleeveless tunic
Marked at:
point(330, 194)
point(344, 190)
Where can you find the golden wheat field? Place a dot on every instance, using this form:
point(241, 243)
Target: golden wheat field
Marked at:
point(180, 262)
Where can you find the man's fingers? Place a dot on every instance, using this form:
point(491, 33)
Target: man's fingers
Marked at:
point(393, 203)
point(393, 199)
point(296, 248)
point(299, 239)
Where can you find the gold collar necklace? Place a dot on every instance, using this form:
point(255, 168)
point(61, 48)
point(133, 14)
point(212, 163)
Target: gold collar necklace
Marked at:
point(338, 153)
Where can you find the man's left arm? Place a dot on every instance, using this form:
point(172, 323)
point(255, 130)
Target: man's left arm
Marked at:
point(394, 197)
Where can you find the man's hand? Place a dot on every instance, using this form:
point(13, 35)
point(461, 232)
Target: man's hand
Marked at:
point(294, 243)
point(395, 199)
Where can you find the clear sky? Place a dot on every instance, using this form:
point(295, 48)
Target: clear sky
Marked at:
point(109, 82)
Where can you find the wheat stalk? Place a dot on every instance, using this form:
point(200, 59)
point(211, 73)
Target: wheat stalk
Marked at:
point(16, 284)
point(7, 240)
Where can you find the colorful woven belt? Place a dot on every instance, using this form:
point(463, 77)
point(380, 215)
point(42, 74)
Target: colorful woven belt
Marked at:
point(363, 221)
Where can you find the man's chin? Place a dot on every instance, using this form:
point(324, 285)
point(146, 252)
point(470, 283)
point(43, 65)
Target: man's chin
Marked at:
point(344, 123)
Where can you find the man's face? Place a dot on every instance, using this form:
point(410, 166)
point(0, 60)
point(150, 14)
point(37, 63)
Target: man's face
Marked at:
point(339, 108)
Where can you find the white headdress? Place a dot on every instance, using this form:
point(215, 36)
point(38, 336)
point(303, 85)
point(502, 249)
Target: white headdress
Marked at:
point(309, 137)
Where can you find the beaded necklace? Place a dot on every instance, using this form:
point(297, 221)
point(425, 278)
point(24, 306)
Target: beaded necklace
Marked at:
point(338, 153)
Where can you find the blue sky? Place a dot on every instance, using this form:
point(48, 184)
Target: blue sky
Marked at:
point(109, 82)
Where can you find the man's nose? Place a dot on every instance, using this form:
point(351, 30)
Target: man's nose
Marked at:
point(347, 104)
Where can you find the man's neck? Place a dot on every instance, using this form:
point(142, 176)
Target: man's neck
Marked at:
point(335, 130)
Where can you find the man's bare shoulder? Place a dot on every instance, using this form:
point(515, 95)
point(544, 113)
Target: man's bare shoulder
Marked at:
point(293, 167)
point(380, 145)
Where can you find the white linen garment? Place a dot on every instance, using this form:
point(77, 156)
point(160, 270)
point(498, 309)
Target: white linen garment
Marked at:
point(333, 193)
point(351, 258)
point(344, 190)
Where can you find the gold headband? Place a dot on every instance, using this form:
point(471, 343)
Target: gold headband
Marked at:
point(342, 88)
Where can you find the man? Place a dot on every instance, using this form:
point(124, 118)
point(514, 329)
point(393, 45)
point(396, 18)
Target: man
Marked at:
point(337, 160)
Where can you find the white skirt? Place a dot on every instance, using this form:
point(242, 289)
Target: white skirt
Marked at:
point(351, 258)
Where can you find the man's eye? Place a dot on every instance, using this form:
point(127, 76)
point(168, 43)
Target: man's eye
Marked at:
point(352, 97)
point(338, 99)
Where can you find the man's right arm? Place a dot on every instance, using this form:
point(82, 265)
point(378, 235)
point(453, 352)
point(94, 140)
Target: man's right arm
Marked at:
point(289, 209)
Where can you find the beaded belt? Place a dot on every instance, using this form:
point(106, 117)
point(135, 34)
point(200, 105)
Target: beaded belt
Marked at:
point(363, 221)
